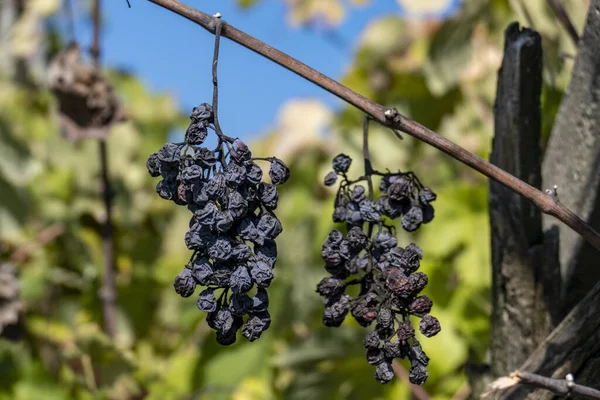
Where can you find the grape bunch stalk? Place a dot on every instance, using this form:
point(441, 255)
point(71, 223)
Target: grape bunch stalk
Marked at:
point(233, 227)
point(367, 256)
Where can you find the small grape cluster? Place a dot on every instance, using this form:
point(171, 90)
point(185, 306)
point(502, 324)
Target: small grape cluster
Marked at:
point(232, 209)
point(386, 275)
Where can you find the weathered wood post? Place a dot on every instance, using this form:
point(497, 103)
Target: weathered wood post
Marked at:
point(525, 269)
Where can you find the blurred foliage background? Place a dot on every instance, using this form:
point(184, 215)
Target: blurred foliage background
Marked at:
point(439, 71)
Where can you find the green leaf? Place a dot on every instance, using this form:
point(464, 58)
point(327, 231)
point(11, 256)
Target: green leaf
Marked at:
point(247, 3)
point(14, 209)
point(449, 52)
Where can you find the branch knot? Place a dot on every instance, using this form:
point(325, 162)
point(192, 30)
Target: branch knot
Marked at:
point(214, 22)
point(392, 114)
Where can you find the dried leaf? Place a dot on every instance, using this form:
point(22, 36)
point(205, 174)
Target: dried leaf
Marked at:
point(88, 106)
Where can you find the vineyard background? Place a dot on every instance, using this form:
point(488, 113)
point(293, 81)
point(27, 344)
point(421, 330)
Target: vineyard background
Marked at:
point(441, 72)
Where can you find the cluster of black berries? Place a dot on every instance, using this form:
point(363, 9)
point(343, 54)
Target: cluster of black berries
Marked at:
point(233, 210)
point(389, 284)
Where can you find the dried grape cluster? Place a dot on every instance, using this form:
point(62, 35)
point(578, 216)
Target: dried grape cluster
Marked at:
point(386, 274)
point(233, 228)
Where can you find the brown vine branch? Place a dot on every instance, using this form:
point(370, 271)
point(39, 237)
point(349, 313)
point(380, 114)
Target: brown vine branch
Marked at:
point(108, 291)
point(562, 387)
point(45, 236)
point(562, 16)
point(391, 118)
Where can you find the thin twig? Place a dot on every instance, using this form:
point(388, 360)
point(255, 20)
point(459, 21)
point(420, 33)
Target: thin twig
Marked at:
point(418, 392)
point(45, 236)
point(549, 65)
point(367, 157)
point(95, 48)
point(463, 393)
point(564, 19)
point(561, 387)
point(88, 372)
point(70, 15)
point(215, 102)
point(392, 119)
point(108, 291)
point(368, 167)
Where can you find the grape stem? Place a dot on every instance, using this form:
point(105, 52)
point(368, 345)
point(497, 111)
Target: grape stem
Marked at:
point(391, 118)
point(368, 175)
point(193, 256)
point(269, 159)
point(367, 157)
point(215, 101)
point(220, 299)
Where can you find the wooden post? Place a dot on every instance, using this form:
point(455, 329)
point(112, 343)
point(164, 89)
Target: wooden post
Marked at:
point(572, 162)
point(572, 348)
point(525, 269)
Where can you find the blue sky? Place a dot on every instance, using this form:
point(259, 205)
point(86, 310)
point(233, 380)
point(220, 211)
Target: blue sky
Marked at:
point(171, 54)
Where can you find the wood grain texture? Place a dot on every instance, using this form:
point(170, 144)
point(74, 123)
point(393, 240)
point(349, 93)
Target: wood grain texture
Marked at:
point(572, 161)
point(573, 347)
point(522, 260)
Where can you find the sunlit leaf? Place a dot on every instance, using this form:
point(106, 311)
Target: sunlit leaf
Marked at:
point(427, 7)
point(246, 3)
point(449, 51)
point(328, 12)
